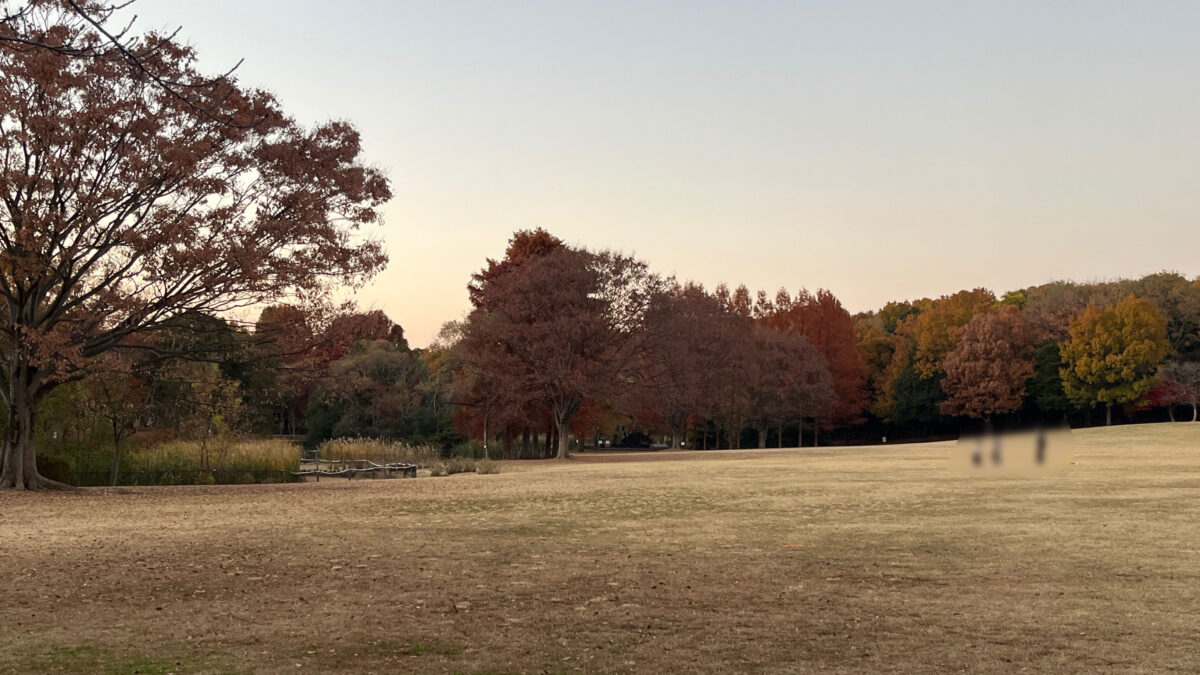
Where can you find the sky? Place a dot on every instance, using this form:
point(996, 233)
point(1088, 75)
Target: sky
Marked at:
point(882, 150)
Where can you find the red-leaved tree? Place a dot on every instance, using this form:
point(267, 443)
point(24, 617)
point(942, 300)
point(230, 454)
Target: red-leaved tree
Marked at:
point(692, 342)
point(562, 328)
point(124, 206)
point(829, 327)
point(1180, 385)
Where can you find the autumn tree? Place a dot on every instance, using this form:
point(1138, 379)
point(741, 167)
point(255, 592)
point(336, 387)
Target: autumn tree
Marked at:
point(347, 328)
point(485, 405)
point(287, 341)
point(924, 333)
point(877, 348)
point(1180, 385)
point(1112, 355)
point(523, 245)
point(566, 326)
point(690, 342)
point(826, 324)
point(787, 378)
point(125, 207)
point(1179, 301)
point(987, 370)
point(934, 330)
point(118, 395)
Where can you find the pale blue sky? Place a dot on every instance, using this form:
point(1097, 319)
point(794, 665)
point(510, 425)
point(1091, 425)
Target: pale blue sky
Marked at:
point(881, 150)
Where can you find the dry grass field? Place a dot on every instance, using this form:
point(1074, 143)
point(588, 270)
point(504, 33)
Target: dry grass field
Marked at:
point(846, 559)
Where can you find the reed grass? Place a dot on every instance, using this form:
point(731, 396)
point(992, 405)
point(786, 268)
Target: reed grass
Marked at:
point(218, 461)
point(379, 451)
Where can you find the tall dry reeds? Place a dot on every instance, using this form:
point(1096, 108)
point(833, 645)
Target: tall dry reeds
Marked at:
point(379, 451)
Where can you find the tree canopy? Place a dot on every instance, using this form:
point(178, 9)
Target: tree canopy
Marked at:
point(124, 207)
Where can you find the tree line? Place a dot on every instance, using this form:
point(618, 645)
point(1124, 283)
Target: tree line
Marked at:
point(143, 202)
point(562, 343)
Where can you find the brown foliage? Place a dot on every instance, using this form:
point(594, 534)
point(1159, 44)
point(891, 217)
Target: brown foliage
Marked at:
point(522, 246)
point(693, 340)
point(125, 207)
point(830, 328)
point(556, 330)
point(987, 370)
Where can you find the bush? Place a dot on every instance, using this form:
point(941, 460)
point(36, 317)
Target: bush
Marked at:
point(379, 451)
point(452, 466)
point(487, 466)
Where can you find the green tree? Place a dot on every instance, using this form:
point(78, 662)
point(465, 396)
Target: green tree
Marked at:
point(1045, 388)
point(916, 398)
point(1112, 356)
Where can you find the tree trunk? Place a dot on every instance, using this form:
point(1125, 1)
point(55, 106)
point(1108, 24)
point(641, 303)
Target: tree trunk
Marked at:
point(762, 437)
point(800, 433)
point(18, 465)
point(704, 436)
point(1108, 414)
point(1193, 412)
point(116, 463)
point(1171, 411)
point(485, 435)
point(779, 438)
point(564, 440)
point(816, 433)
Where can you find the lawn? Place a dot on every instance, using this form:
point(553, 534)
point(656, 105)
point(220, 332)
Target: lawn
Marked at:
point(830, 559)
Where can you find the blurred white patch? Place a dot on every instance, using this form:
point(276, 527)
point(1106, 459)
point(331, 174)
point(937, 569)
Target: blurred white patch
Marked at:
point(1024, 453)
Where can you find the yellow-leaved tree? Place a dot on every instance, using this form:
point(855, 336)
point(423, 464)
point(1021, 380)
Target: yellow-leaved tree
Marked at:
point(1113, 355)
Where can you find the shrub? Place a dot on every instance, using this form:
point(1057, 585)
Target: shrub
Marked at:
point(487, 466)
point(449, 467)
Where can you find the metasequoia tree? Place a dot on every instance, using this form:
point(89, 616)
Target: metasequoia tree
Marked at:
point(124, 206)
point(564, 327)
point(690, 343)
point(987, 370)
point(827, 325)
point(524, 245)
point(486, 406)
point(787, 378)
point(1112, 356)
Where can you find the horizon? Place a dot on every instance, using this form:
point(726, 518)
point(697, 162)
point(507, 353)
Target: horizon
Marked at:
point(883, 153)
